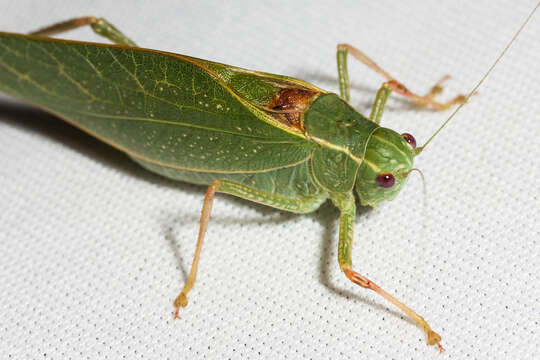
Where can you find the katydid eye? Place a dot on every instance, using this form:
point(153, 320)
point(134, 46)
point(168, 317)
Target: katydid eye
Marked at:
point(409, 139)
point(386, 180)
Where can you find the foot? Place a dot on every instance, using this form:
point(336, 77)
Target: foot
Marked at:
point(180, 302)
point(428, 99)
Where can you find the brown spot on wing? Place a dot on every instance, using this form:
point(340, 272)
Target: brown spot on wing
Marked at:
point(289, 104)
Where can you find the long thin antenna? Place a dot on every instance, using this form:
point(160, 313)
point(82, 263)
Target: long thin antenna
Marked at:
point(418, 150)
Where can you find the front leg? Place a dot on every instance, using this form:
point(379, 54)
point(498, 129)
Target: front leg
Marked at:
point(426, 100)
point(296, 205)
point(346, 205)
point(380, 102)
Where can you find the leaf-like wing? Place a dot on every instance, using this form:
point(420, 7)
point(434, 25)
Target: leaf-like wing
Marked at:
point(159, 108)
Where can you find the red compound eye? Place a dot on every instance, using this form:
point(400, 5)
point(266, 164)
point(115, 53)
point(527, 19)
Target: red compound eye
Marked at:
point(409, 139)
point(386, 180)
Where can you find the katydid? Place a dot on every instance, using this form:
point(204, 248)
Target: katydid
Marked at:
point(271, 139)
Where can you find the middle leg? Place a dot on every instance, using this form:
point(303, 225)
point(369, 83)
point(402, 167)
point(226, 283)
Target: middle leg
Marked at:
point(296, 205)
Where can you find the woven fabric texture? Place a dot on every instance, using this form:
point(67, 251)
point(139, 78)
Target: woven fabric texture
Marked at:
point(94, 249)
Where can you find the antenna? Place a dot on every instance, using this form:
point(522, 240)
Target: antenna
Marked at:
point(419, 150)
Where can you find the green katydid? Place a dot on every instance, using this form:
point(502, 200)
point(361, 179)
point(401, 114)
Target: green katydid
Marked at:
point(271, 139)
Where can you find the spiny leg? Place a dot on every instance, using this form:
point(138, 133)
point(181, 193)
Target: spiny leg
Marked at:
point(384, 92)
point(99, 25)
point(346, 205)
point(299, 205)
point(379, 103)
point(426, 100)
point(181, 299)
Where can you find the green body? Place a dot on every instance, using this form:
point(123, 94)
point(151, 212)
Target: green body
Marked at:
point(198, 121)
point(267, 138)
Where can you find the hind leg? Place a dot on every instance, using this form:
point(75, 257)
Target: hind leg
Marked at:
point(99, 25)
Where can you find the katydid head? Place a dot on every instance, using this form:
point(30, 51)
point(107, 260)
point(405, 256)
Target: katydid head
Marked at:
point(389, 156)
point(387, 162)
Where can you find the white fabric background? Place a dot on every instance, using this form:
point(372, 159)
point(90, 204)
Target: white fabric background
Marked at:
point(93, 249)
